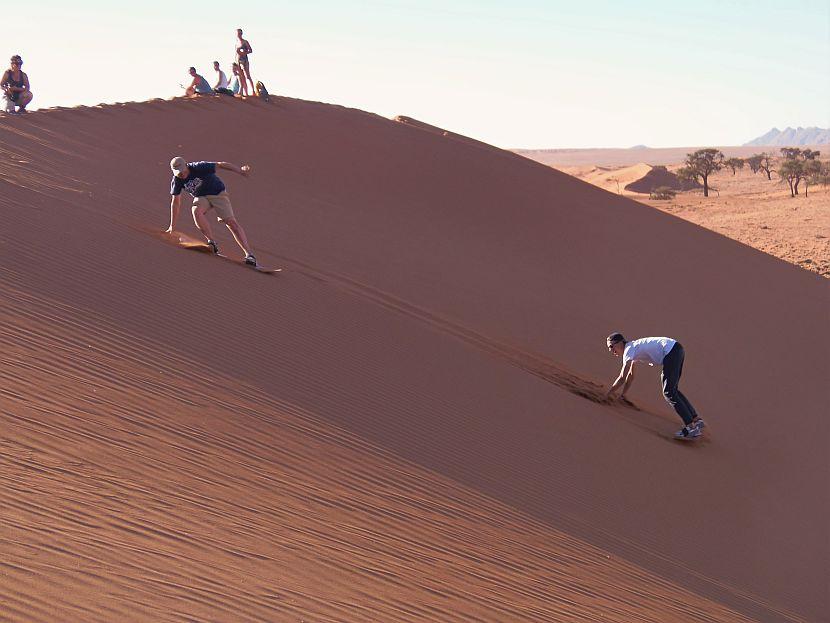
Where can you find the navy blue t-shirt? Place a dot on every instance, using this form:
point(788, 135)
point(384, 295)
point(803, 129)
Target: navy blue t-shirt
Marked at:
point(201, 180)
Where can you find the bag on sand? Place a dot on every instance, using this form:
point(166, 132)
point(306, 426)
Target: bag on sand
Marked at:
point(261, 91)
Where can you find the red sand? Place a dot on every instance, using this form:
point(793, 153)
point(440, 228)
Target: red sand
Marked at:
point(403, 426)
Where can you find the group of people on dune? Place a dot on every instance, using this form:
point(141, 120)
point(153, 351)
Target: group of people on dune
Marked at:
point(17, 93)
point(240, 74)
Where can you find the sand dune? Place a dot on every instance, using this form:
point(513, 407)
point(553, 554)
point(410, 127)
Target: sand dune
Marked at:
point(611, 179)
point(405, 425)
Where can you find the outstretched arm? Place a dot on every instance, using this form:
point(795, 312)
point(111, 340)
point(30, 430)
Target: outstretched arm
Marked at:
point(628, 378)
point(625, 378)
point(244, 170)
point(175, 206)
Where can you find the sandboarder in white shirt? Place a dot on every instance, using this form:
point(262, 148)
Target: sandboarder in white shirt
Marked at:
point(656, 351)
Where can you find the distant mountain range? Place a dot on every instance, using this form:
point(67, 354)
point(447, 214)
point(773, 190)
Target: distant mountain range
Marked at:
point(791, 137)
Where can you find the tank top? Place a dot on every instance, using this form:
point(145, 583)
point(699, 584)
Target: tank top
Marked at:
point(10, 81)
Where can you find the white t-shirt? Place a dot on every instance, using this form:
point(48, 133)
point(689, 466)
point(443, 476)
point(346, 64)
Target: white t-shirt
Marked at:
point(223, 80)
point(650, 350)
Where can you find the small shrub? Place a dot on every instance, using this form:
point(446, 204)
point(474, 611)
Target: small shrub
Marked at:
point(662, 192)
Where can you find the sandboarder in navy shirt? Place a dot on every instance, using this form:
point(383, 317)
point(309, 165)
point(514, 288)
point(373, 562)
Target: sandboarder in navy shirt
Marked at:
point(200, 180)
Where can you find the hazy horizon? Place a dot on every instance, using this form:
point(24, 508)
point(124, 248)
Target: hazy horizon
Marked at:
point(528, 75)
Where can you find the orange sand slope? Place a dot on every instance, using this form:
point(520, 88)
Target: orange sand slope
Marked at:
point(404, 425)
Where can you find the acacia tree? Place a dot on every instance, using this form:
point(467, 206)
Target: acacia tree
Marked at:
point(791, 153)
point(819, 173)
point(754, 163)
point(734, 163)
point(700, 165)
point(798, 164)
point(765, 164)
point(813, 170)
point(796, 153)
point(792, 171)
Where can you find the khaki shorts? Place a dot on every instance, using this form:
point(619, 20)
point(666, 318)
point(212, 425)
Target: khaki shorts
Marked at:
point(221, 203)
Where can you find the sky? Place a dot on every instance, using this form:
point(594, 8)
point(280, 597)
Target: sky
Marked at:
point(517, 74)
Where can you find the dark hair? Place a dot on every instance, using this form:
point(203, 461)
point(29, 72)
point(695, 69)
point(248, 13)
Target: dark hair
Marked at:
point(16, 58)
point(192, 69)
point(614, 338)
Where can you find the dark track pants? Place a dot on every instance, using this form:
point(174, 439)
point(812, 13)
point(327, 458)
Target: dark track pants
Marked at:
point(672, 369)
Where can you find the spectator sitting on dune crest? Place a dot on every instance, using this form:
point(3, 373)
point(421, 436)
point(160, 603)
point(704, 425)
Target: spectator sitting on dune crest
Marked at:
point(221, 78)
point(199, 86)
point(234, 84)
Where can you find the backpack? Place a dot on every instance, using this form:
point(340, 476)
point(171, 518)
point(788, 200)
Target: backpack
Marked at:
point(261, 91)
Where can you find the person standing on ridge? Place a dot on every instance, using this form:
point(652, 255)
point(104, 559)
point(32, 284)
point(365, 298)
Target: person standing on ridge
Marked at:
point(201, 181)
point(656, 351)
point(15, 84)
point(243, 48)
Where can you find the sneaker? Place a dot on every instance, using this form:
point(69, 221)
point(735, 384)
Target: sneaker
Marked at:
point(699, 424)
point(250, 260)
point(688, 432)
point(213, 246)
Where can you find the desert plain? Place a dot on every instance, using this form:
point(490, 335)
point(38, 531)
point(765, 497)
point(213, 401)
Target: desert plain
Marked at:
point(748, 207)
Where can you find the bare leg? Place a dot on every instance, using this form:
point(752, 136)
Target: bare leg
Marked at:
point(250, 79)
point(24, 99)
point(239, 235)
point(243, 84)
point(202, 222)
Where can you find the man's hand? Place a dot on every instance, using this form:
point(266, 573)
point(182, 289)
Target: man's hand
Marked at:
point(244, 170)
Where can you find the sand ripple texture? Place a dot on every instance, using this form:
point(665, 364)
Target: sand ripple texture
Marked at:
point(407, 423)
